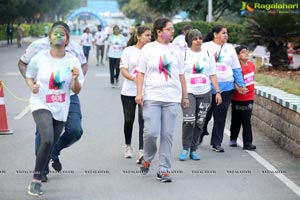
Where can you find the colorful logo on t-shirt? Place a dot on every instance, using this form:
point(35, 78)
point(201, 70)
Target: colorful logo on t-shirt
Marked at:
point(218, 56)
point(54, 81)
point(197, 69)
point(165, 67)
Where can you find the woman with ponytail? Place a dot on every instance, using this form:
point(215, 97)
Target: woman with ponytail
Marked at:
point(128, 63)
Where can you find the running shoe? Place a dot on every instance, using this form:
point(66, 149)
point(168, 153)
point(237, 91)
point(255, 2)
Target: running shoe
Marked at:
point(218, 148)
point(56, 165)
point(194, 155)
point(140, 157)
point(232, 143)
point(128, 152)
point(183, 155)
point(164, 177)
point(35, 189)
point(145, 168)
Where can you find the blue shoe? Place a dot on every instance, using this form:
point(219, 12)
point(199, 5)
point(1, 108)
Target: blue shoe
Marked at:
point(194, 155)
point(183, 155)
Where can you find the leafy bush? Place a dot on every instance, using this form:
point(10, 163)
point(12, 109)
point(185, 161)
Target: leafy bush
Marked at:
point(235, 31)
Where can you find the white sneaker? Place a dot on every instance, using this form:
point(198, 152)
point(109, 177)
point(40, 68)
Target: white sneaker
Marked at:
point(128, 152)
point(140, 157)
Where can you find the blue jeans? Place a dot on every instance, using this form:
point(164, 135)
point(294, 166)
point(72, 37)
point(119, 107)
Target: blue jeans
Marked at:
point(86, 51)
point(73, 130)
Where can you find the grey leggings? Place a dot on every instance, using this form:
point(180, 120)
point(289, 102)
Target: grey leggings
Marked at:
point(49, 130)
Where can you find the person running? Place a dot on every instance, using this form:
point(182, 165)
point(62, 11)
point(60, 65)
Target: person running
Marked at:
point(116, 43)
point(160, 70)
point(73, 126)
point(50, 76)
point(228, 72)
point(86, 42)
point(242, 104)
point(200, 72)
point(128, 63)
point(99, 40)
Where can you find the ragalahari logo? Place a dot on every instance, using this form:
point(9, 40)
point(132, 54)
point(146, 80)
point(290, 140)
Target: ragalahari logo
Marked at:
point(246, 8)
point(272, 8)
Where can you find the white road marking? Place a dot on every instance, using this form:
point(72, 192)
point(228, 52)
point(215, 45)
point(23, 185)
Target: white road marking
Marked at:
point(23, 113)
point(290, 184)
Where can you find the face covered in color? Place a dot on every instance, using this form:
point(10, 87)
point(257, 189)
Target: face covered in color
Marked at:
point(59, 37)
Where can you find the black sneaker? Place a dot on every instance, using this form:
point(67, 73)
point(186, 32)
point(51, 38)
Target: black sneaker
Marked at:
point(56, 165)
point(35, 189)
point(145, 168)
point(232, 143)
point(164, 177)
point(44, 178)
point(218, 148)
point(249, 147)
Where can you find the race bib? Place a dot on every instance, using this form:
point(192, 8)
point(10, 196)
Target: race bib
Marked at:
point(198, 80)
point(117, 48)
point(221, 68)
point(249, 78)
point(55, 98)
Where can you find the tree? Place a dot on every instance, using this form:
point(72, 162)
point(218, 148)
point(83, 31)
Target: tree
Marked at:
point(273, 31)
point(28, 10)
point(136, 9)
point(197, 9)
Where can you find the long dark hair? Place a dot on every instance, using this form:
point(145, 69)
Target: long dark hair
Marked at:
point(210, 36)
point(137, 32)
point(159, 24)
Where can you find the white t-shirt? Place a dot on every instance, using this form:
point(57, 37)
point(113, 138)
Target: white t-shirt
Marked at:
point(162, 64)
point(180, 42)
point(44, 44)
point(198, 66)
point(116, 44)
point(100, 37)
point(87, 39)
point(129, 60)
point(55, 79)
point(226, 59)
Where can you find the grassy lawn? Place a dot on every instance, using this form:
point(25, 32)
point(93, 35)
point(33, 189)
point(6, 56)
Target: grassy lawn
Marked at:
point(287, 81)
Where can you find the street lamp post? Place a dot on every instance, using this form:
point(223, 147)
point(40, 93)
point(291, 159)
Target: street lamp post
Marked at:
point(209, 17)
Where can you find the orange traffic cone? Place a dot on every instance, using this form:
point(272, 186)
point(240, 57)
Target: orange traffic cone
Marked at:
point(290, 54)
point(3, 120)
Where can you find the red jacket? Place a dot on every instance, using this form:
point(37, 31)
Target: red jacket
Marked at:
point(248, 74)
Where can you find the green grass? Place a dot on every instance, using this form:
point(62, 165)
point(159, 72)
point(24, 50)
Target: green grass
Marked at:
point(288, 84)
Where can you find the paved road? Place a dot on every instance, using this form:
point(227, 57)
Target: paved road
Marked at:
point(94, 168)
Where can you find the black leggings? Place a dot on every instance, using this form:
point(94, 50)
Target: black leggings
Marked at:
point(129, 106)
point(49, 130)
point(114, 64)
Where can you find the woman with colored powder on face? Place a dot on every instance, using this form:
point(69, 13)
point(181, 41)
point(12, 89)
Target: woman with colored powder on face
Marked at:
point(160, 71)
point(51, 75)
point(128, 64)
point(228, 72)
point(116, 44)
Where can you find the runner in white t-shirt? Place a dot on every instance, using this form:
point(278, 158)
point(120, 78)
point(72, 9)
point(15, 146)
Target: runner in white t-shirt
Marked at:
point(99, 40)
point(73, 129)
point(86, 42)
point(161, 72)
point(128, 64)
point(200, 72)
point(116, 44)
point(51, 75)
